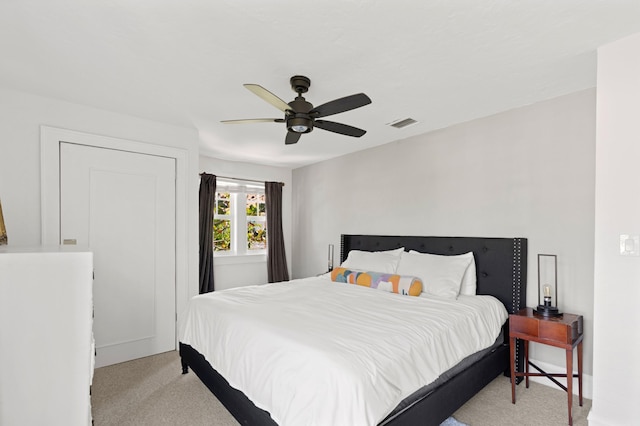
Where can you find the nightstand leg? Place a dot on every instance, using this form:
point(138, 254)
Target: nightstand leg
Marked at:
point(570, 382)
point(580, 372)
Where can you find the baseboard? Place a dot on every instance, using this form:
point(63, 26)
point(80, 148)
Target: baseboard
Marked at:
point(587, 380)
point(614, 409)
point(595, 421)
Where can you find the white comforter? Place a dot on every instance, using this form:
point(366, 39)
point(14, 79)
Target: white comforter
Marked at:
point(317, 352)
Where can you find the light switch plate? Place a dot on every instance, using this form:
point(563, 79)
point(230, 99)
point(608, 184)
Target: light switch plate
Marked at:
point(630, 245)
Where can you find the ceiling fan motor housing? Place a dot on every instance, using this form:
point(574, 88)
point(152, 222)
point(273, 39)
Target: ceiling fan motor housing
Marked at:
point(301, 124)
point(299, 120)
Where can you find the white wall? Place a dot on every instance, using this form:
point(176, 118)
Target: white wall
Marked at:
point(527, 172)
point(23, 114)
point(617, 278)
point(247, 271)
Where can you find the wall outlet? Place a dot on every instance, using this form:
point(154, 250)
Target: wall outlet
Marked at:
point(629, 245)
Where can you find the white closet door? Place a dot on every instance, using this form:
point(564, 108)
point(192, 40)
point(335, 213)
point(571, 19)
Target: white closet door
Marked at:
point(122, 205)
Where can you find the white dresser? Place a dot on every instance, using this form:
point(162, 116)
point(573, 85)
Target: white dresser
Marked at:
point(46, 338)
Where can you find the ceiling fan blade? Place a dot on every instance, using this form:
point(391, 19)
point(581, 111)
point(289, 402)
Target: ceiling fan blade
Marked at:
point(343, 129)
point(254, 120)
point(292, 137)
point(268, 96)
point(341, 105)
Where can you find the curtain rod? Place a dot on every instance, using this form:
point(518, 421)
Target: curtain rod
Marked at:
point(240, 179)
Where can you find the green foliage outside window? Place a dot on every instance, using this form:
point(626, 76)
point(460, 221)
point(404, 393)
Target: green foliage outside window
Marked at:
point(256, 230)
point(223, 203)
point(256, 205)
point(221, 235)
point(222, 227)
point(256, 235)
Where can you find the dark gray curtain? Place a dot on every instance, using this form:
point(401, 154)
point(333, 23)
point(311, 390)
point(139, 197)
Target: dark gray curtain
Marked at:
point(207, 205)
point(276, 259)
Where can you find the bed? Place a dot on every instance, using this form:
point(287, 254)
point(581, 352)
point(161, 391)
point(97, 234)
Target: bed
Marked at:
point(500, 271)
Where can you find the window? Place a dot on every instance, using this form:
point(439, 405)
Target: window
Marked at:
point(240, 219)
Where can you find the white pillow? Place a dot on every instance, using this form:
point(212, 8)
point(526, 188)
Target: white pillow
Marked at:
point(469, 280)
point(469, 284)
point(441, 275)
point(377, 261)
point(396, 252)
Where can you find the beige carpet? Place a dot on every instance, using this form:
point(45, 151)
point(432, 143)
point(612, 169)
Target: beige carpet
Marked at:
point(151, 391)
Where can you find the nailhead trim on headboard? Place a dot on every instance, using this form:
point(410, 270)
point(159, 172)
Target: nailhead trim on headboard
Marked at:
point(517, 278)
point(517, 281)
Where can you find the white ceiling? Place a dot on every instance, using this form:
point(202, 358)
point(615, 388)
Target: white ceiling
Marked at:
point(184, 61)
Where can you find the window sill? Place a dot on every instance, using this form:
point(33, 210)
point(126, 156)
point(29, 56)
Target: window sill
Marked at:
point(237, 260)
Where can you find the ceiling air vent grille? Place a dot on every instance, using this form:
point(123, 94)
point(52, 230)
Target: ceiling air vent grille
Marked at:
point(399, 124)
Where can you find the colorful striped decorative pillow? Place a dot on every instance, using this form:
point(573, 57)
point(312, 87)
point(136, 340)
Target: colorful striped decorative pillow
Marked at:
point(393, 283)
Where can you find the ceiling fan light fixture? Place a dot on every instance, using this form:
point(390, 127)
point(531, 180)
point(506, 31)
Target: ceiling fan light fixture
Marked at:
point(299, 124)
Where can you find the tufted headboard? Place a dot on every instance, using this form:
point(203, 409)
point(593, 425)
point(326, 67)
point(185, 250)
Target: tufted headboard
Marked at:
point(501, 263)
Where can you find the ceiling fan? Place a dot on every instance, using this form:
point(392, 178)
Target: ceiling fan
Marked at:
point(301, 116)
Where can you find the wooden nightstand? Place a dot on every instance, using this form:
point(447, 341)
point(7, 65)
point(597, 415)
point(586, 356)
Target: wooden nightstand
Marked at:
point(564, 331)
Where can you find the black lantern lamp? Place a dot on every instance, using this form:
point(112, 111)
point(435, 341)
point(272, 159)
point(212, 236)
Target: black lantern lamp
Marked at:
point(547, 286)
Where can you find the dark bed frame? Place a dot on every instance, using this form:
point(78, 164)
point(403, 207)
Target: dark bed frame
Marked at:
point(501, 267)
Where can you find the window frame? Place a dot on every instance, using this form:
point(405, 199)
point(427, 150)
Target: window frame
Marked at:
point(239, 251)
point(260, 219)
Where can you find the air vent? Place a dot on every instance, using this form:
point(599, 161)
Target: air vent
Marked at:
point(399, 124)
